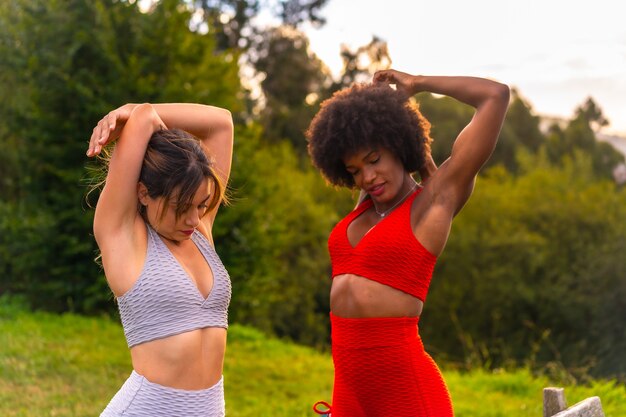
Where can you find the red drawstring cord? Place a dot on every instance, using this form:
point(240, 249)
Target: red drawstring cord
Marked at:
point(322, 412)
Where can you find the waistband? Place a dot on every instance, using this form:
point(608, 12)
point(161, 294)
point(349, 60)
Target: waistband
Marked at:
point(157, 388)
point(372, 332)
point(140, 397)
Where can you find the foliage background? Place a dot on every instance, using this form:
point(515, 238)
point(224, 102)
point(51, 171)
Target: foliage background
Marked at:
point(534, 272)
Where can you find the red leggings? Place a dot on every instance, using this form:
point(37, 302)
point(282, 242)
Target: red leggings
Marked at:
point(382, 370)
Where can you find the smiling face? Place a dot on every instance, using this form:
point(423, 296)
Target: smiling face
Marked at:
point(161, 213)
point(379, 173)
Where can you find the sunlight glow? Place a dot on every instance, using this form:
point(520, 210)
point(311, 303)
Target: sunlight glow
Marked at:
point(557, 52)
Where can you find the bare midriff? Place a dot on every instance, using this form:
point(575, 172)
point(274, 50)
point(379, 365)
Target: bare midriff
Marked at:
point(191, 361)
point(353, 296)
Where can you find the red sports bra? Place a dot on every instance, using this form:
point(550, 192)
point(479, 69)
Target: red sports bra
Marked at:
point(388, 253)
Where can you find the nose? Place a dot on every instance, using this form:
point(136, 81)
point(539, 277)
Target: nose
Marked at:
point(369, 175)
point(192, 217)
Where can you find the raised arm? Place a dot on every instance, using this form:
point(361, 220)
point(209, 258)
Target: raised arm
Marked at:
point(213, 126)
point(453, 182)
point(116, 210)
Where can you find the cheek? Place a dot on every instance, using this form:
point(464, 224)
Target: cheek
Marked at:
point(152, 212)
point(357, 179)
point(164, 217)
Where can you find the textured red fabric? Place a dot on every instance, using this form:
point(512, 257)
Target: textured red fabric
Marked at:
point(389, 253)
point(382, 370)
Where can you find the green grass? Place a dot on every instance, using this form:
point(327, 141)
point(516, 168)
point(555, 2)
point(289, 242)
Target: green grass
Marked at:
point(68, 365)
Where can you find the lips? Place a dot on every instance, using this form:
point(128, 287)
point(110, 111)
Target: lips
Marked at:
point(187, 232)
point(376, 190)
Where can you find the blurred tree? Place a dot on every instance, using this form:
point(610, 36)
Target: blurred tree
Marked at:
point(591, 112)
point(71, 62)
point(531, 273)
point(360, 64)
point(523, 123)
point(229, 20)
point(293, 80)
point(579, 135)
point(447, 118)
point(232, 21)
point(276, 60)
point(273, 240)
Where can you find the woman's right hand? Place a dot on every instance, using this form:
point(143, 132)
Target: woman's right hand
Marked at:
point(109, 128)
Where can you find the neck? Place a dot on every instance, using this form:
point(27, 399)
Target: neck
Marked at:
point(408, 186)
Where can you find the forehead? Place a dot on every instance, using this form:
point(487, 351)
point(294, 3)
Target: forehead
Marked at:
point(202, 192)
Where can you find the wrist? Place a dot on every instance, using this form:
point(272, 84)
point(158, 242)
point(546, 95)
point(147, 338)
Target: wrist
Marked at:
point(416, 84)
point(128, 108)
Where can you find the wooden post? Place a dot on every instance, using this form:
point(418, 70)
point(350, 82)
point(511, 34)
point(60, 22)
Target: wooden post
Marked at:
point(590, 407)
point(554, 405)
point(553, 401)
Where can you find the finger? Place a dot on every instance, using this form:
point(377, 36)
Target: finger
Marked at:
point(99, 135)
point(384, 76)
point(379, 76)
point(109, 122)
point(92, 141)
point(113, 121)
point(103, 134)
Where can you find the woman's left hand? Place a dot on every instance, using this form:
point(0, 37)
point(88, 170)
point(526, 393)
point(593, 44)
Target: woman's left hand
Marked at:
point(405, 83)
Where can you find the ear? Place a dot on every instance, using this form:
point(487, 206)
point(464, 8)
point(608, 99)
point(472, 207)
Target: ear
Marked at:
point(142, 194)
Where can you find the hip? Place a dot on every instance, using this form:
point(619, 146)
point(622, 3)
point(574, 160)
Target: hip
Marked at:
point(139, 397)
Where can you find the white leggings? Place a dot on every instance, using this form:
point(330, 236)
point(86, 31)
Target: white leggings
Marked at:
point(139, 397)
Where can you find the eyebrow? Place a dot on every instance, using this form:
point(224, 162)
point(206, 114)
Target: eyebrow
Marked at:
point(176, 201)
point(364, 158)
point(368, 155)
point(206, 199)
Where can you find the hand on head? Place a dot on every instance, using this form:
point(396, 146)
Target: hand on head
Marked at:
point(403, 81)
point(108, 129)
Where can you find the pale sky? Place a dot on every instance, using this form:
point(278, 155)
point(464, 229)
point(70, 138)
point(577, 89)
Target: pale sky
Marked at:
point(555, 52)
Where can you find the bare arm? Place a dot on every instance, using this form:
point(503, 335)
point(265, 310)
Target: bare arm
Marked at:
point(452, 183)
point(213, 126)
point(116, 210)
point(428, 169)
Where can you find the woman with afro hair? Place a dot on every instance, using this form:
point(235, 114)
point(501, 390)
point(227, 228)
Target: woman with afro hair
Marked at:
point(373, 138)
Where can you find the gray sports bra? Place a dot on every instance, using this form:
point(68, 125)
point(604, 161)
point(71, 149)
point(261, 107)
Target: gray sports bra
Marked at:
point(164, 301)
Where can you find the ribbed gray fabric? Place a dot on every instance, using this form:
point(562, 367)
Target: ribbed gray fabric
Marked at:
point(164, 301)
point(139, 397)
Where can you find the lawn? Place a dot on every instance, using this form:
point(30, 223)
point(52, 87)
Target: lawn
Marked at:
point(69, 365)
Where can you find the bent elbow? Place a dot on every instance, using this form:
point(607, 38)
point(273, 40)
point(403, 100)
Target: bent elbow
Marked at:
point(227, 118)
point(146, 113)
point(226, 122)
point(219, 119)
point(502, 92)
